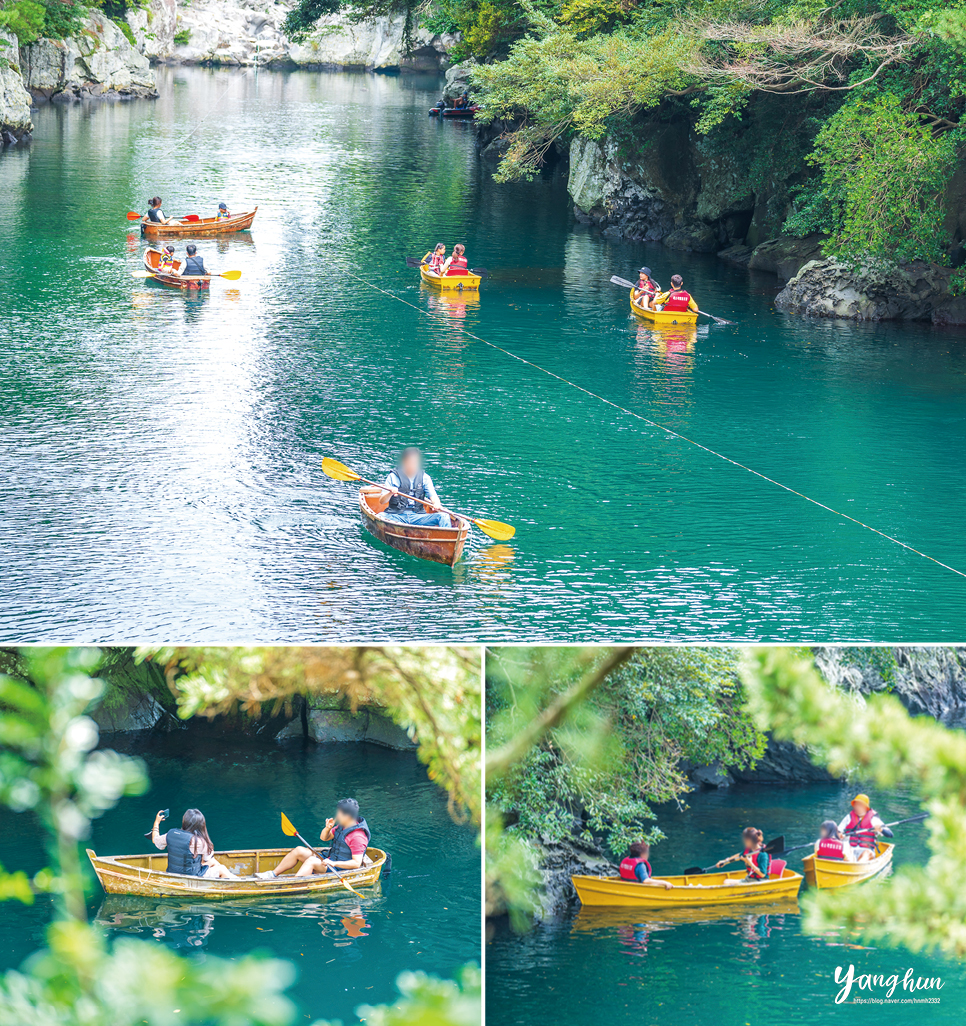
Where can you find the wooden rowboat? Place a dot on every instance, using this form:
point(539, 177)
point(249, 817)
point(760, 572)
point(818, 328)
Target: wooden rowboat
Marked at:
point(662, 317)
point(688, 891)
point(152, 259)
point(449, 282)
point(203, 226)
point(146, 875)
point(438, 544)
point(827, 874)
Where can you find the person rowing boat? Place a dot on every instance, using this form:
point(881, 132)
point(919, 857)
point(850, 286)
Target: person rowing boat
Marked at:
point(347, 835)
point(418, 504)
point(676, 299)
point(862, 826)
point(437, 258)
point(190, 851)
point(156, 214)
point(757, 861)
point(194, 265)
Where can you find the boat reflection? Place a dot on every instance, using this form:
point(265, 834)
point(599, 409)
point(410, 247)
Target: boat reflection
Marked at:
point(453, 305)
point(673, 343)
point(620, 920)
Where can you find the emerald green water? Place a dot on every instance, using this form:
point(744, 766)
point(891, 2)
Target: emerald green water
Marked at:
point(347, 952)
point(160, 461)
point(734, 967)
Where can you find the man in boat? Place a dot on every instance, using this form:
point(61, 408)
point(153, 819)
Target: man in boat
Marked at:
point(863, 827)
point(833, 844)
point(190, 851)
point(347, 835)
point(194, 265)
point(637, 867)
point(156, 214)
point(646, 289)
point(675, 300)
point(223, 212)
point(418, 502)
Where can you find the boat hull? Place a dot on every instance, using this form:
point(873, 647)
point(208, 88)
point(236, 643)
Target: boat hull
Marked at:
point(152, 259)
point(830, 874)
point(454, 112)
point(146, 875)
point(450, 282)
point(661, 317)
point(699, 891)
point(437, 544)
point(206, 226)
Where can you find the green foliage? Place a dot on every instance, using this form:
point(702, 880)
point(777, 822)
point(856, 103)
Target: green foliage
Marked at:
point(304, 16)
point(882, 175)
point(62, 18)
point(432, 692)
point(428, 1001)
point(618, 748)
point(25, 19)
point(182, 37)
point(919, 907)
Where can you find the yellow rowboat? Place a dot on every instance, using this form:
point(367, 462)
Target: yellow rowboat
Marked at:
point(661, 317)
point(827, 874)
point(450, 282)
point(688, 891)
point(146, 875)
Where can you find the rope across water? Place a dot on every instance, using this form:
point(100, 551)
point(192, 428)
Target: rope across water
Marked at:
point(659, 427)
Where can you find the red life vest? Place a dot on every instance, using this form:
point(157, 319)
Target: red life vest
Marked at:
point(646, 287)
point(677, 300)
point(436, 262)
point(860, 832)
point(831, 848)
point(458, 265)
point(760, 858)
point(629, 865)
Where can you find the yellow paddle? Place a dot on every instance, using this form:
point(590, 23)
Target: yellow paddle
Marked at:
point(340, 472)
point(230, 275)
point(288, 828)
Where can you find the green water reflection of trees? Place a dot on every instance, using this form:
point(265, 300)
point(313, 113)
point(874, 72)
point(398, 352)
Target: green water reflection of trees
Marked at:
point(49, 764)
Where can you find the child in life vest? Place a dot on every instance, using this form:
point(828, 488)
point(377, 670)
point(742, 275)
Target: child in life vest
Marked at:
point(223, 213)
point(438, 258)
point(457, 262)
point(832, 844)
point(757, 861)
point(166, 263)
point(646, 289)
point(636, 867)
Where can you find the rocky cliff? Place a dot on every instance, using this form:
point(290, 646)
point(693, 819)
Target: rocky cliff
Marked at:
point(97, 63)
point(249, 33)
point(15, 123)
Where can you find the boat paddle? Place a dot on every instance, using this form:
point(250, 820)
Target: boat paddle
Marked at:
point(773, 847)
point(288, 828)
point(413, 262)
point(190, 218)
point(228, 275)
point(885, 826)
point(625, 284)
point(340, 472)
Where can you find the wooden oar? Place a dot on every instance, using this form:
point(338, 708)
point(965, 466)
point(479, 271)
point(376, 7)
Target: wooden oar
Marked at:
point(773, 847)
point(340, 472)
point(288, 828)
point(229, 275)
point(885, 826)
point(625, 284)
point(133, 216)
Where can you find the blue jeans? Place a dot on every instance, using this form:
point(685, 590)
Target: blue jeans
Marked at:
point(419, 519)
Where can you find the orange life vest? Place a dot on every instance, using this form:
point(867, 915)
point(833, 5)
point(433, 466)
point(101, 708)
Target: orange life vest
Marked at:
point(677, 301)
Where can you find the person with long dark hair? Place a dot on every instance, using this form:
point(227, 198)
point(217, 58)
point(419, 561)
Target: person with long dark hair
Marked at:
point(156, 214)
point(190, 851)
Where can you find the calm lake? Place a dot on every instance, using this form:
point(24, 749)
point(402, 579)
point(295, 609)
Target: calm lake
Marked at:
point(425, 915)
point(737, 967)
point(160, 453)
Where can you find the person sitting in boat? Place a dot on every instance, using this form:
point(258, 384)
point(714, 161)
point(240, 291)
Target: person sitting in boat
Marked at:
point(156, 214)
point(462, 101)
point(675, 300)
point(646, 289)
point(190, 851)
point(418, 502)
point(438, 258)
point(832, 843)
point(347, 835)
point(756, 859)
point(457, 262)
point(223, 212)
point(862, 827)
point(637, 867)
point(194, 264)
point(166, 261)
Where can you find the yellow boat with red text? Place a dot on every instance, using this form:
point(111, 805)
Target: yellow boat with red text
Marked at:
point(829, 874)
point(663, 317)
point(463, 281)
